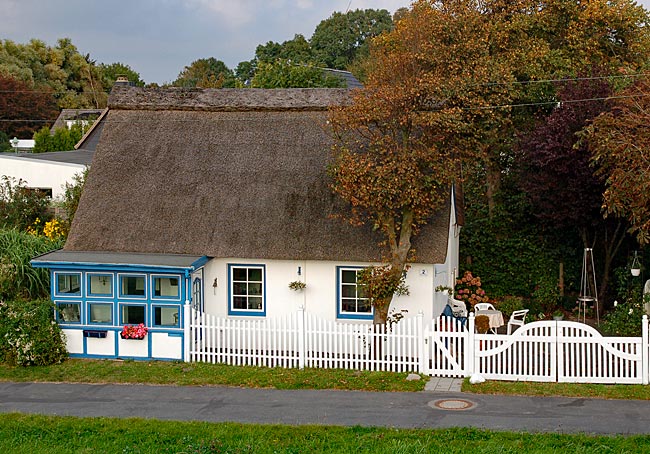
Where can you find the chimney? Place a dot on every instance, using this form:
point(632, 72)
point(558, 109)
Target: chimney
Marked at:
point(123, 81)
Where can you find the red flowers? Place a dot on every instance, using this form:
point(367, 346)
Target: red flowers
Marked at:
point(134, 331)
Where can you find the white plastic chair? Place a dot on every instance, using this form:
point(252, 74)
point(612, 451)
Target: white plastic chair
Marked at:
point(458, 307)
point(517, 319)
point(484, 307)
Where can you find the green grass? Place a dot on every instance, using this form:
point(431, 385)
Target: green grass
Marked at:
point(636, 392)
point(53, 434)
point(202, 374)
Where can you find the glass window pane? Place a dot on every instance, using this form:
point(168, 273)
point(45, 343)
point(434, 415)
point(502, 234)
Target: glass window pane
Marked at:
point(239, 288)
point(255, 303)
point(239, 274)
point(255, 274)
point(349, 276)
point(101, 313)
point(100, 284)
point(132, 315)
point(254, 289)
point(166, 286)
point(348, 305)
point(166, 315)
point(68, 283)
point(133, 285)
point(363, 305)
point(68, 312)
point(349, 291)
point(240, 302)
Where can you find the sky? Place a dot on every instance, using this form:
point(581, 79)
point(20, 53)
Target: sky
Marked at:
point(157, 38)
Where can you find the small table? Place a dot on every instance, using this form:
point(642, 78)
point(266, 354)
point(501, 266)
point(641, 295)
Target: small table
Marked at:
point(495, 317)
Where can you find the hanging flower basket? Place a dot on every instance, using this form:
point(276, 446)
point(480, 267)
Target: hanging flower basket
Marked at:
point(635, 271)
point(297, 285)
point(137, 332)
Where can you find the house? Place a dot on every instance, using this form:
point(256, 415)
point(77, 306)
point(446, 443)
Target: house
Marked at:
point(220, 198)
point(69, 117)
point(48, 172)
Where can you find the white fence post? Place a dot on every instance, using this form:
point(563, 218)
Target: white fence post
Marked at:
point(187, 334)
point(471, 359)
point(420, 342)
point(645, 351)
point(301, 338)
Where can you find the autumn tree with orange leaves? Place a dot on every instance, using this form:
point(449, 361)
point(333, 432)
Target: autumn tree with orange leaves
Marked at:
point(620, 142)
point(401, 140)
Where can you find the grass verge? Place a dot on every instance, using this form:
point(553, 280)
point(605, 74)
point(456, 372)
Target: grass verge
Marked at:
point(54, 434)
point(202, 374)
point(635, 392)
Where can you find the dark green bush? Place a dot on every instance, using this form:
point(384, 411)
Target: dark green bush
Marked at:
point(508, 304)
point(625, 319)
point(29, 335)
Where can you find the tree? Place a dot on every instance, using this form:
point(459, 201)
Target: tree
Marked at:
point(557, 177)
point(63, 139)
point(285, 74)
point(112, 71)
point(343, 37)
point(620, 142)
point(73, 78)
point(205, 73)
point(22, 109)
point(400, 142)
point(296, 50)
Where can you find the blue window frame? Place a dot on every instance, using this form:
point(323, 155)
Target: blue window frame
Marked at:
point(167, 316)
point(68, 312)
point(67, 284)
point(165, 287)
point(246, 290)
point(351, 299)
point(100, 285)
point(100, 313)
point(133, 314)
point(133, 285)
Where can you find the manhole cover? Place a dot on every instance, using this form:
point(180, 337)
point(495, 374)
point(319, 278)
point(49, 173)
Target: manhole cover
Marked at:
point(452, 404)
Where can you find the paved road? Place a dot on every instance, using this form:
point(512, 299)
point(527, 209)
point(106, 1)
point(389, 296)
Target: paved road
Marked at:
point(346, 408)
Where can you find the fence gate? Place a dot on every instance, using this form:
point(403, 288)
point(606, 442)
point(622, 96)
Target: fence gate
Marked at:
point(446, 348)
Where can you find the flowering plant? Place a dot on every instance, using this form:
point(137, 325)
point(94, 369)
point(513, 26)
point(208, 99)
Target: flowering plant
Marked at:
point(134, 331)
point(468, 289)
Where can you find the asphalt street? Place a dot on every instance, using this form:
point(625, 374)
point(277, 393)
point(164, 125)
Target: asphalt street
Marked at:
point(343, 408)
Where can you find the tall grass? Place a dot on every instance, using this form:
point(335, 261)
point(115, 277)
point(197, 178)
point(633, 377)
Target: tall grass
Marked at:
point(18, 279)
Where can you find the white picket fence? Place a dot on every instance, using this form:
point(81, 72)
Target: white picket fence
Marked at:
point(304, 340)
point(539, 351)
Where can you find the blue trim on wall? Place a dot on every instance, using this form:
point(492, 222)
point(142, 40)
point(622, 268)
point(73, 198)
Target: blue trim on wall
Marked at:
point(339, 313)
point(246, 313)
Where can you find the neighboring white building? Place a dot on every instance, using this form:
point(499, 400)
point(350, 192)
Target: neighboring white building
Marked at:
point(220, 198)
point(46, 171)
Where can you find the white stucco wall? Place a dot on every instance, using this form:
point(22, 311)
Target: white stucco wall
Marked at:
point(40, 173)
point(320, 297)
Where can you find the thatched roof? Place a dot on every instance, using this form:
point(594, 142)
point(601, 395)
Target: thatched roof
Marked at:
point(223, 173)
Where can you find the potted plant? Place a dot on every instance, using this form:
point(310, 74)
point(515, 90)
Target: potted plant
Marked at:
point(558, 315)
point(297, 285)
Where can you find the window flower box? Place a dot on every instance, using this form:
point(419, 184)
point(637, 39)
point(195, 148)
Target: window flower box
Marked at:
point(136, 332)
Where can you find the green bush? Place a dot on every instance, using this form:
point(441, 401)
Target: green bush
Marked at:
point(547, 294)
point(29, 335)
point(626, 318)
point(20, 207)
point(508, 304)
point(18, 279)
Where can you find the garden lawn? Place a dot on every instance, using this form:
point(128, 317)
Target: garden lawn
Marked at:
point(53, 434)
point(202, 374)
